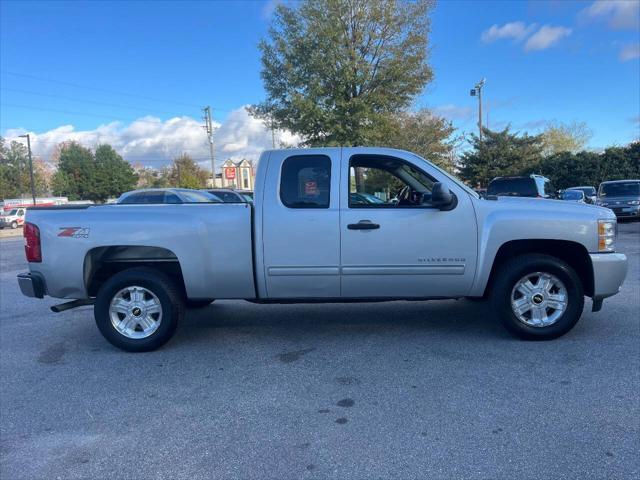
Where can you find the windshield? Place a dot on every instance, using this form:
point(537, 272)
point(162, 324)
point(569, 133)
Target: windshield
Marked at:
point(622, 189)
point(194, 196)
point(586, 190)
point(572, 195)
point(11, 212)
point(451, 177)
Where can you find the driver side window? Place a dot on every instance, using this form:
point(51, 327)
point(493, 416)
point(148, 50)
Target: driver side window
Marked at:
point(377, 181)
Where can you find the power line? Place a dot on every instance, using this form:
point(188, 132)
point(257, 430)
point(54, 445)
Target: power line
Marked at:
point(93, 102)
point(98, 89)
point(69, 112)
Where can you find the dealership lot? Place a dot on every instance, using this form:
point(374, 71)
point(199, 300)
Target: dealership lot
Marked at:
point(384, 390)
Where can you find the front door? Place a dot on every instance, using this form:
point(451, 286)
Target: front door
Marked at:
point(301, 228)
point(394, 244)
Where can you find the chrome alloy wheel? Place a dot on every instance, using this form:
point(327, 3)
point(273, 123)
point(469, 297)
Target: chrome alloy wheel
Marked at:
point(135, 312)
point(539, 299)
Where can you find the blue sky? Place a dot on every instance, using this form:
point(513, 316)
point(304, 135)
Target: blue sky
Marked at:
point(89, 70)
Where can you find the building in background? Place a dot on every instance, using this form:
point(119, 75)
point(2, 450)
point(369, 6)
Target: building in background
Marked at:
point(240, 175)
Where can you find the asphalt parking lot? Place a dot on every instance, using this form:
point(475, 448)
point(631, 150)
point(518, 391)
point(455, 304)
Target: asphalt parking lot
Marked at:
point(392, 390)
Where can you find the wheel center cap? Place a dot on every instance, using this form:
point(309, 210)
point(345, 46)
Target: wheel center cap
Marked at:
point(136, 311)
point(537, 299)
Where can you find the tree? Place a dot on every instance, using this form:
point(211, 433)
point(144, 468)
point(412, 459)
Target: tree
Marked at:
point(499, 154)
point(82, 175)
point(75, 177)
point(424, 134)
point(565, 137)
point(186, 173)
point(566, 169)
point(114, 175)
point(15, 180)
point(337, 71)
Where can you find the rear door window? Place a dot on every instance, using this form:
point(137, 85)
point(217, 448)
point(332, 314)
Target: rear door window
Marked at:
point(305, 181)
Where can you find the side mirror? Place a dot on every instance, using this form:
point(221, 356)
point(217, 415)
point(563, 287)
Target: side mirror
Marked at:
point(441, 197)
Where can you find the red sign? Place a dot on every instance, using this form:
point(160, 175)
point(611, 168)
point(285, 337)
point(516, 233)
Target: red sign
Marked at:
point(311, 189)
point(230, 173)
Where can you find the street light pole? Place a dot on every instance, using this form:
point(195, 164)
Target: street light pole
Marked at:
point(477, 91)
point(33, 184)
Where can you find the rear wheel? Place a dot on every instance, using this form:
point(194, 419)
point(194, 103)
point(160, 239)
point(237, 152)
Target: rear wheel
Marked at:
point(538, 297)
point(138, 309)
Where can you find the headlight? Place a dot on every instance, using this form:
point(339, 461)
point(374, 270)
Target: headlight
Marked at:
point(634, 202)
point(607, 232)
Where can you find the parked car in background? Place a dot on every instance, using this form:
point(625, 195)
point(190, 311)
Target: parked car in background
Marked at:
point(529, 186)
point(227, 195)
point(573, 196)
point(621, 196)
point(590, 193)
point(247, 194)
point(13, 218)
point(167, 195)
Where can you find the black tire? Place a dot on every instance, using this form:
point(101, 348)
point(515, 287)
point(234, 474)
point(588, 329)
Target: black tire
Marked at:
point(198, 303)
point(518, 267)
point(161, 286)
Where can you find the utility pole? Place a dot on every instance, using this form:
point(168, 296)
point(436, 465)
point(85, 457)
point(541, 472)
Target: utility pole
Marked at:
point(209, 128)
point(33, 184)
point(477, 91)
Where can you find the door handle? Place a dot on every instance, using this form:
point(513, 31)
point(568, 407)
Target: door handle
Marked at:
point(363, 225)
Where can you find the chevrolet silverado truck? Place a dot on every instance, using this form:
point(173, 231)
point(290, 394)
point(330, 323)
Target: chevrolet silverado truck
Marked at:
point(331, 225)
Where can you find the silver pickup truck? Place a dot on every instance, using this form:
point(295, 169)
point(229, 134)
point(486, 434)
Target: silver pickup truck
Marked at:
point(330, 224)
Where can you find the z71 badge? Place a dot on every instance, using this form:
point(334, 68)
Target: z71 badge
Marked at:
point(74, 232)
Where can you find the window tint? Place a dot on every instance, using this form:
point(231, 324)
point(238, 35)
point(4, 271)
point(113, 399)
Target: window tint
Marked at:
point(196, 196)
point(171, 198)
point(135, 198)
point(515, 187)
point(153, 197)
point(621, 189)
point(306, 181)
point(227, 197)
point(377, 181)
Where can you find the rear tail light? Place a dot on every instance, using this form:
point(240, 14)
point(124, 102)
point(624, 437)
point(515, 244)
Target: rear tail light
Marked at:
point(32, 242)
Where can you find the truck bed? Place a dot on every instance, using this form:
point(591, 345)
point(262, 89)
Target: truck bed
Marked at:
point(212, 243)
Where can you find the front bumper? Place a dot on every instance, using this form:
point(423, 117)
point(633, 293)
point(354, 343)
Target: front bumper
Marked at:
point(609, 271)
point(31, 285)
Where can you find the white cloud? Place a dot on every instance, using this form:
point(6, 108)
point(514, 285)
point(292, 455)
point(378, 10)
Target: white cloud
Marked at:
point(546, 37)
point(153, 142)
point(619, 14)
point(629, 52)
point(511, 30)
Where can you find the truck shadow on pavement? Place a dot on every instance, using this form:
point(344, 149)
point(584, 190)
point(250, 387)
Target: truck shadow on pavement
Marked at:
point(461, 318)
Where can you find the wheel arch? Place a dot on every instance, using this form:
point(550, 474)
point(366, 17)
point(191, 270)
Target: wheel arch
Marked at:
point(102, 262)
point(573, 253)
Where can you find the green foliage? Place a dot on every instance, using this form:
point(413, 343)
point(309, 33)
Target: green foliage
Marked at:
point(114, 175)
point(589, 168)
point(186, 173)
point(424, 134)
point(337, 71)
point(82, 175)
point(560, 137)
point(15, 180)
point(499, 154)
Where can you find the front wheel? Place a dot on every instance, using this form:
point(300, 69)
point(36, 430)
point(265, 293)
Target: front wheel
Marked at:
point(538, 297)
point(138, 309)
point(14, 225)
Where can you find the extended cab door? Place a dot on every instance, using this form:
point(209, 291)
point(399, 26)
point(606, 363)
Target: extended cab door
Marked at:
point(300, 227)
point(394, 243)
